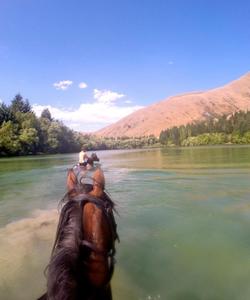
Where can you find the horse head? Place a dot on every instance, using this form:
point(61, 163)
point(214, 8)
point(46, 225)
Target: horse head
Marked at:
point(94, 157)
point(85, 230)
point(98, 183)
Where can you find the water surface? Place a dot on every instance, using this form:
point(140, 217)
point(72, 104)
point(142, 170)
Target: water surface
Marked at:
point(184, 222)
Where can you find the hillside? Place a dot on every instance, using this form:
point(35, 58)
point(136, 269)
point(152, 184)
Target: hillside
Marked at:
point(183, 109)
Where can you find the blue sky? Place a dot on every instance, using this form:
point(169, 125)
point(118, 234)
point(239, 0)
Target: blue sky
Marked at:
point(128, 53)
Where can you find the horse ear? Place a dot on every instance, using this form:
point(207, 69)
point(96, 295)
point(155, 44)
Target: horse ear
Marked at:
point(71, 180)
point(99, 178)
point(98, 183)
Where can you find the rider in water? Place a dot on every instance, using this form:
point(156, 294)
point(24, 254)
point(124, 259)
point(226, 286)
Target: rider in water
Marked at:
point(83, 157)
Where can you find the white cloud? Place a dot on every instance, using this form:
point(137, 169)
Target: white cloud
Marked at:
point(91, 116)
point(63, 85)
point(106, 96)
point(128, 101)
point(82, 85)
point(170, 62)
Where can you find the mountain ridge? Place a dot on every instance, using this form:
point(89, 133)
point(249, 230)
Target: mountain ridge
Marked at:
point(183, 109)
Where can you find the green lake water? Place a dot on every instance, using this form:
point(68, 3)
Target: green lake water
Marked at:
point(184, 222)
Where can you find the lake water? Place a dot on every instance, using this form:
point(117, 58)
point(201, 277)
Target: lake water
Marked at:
point(184, 222)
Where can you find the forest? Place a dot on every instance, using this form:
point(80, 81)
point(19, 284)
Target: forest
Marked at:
point(23, 133)
point(225, 129)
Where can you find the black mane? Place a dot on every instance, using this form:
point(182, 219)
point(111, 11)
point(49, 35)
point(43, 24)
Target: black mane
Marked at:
point(62, 271)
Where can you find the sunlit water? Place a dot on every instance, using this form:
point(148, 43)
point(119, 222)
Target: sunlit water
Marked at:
point(184, 222)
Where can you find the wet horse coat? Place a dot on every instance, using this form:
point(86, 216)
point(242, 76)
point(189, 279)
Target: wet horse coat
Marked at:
point(82, 260)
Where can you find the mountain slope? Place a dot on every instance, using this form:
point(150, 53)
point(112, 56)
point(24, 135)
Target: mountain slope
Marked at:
point(183, 109)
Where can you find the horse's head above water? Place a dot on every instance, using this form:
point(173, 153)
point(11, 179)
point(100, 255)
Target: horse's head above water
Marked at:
point(94, 157)
point(95, 178)
point(82, 263)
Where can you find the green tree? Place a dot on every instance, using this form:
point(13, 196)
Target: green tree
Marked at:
point(175, 136)
point(29, 140)
point(54, 136)
point(9, 140)
point(18, 104)
point(46, 114)
point(5, 113)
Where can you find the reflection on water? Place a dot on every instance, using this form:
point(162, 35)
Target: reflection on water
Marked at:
point(187, 158)
point(184, 222)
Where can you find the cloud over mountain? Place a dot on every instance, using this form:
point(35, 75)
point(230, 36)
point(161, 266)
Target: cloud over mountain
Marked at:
point(106, 97)
point(93, 115)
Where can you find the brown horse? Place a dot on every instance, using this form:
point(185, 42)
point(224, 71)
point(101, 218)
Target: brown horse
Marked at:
point(82, 259)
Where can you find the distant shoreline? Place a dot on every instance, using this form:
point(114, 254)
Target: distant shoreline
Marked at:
point(128, 149)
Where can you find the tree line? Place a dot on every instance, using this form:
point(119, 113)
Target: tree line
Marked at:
point(123, 142)
point(234, 129)
point(22, 133)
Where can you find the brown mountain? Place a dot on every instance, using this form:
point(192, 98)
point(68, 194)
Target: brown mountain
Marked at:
point(183, 109)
